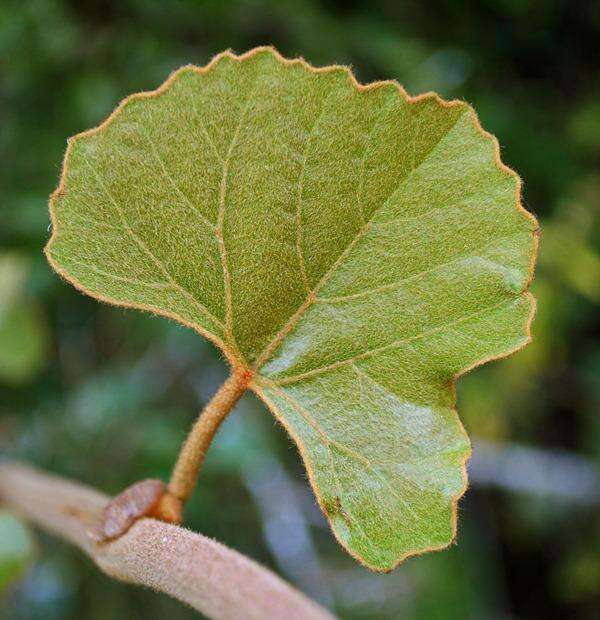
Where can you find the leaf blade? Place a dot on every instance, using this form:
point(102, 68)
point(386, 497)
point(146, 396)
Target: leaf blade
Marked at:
point(17, 549)
point(355, 247)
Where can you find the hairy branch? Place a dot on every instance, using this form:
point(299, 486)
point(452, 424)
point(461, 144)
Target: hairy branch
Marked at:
point(193, 452)
point(219, 582)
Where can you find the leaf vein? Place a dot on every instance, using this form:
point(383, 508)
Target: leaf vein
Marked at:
point(140, 243)
point(328, 442)
point(299, 227)
point(366, 149)
point(174, 185)
point(390, 345)
point(221, 219)
point(295, 318)
point(419, 275)
point(114, 276)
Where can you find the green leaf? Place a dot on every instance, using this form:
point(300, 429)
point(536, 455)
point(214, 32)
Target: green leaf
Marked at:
point(16, 549)
point(24, 338)
point(355, 248)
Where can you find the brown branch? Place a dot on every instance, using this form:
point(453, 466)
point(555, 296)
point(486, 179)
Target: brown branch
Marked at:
point(219, 582)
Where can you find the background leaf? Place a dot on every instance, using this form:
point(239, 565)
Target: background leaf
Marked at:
point(24, 339)
point(355, 248)
point(16, 548)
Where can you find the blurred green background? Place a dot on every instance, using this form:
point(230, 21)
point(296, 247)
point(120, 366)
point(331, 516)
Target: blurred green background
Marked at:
point(106, 395)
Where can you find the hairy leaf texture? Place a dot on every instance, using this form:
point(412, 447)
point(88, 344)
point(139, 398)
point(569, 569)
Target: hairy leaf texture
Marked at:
point(356, 249)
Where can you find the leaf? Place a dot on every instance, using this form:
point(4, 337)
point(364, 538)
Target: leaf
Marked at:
point(355, 248)
point(16, 549)
point(24, 338)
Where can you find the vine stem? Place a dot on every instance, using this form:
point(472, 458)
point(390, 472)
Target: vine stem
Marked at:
point(193, 452)
point(215, 580)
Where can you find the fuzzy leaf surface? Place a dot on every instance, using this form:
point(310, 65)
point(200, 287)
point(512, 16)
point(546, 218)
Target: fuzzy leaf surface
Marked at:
point(355, 248)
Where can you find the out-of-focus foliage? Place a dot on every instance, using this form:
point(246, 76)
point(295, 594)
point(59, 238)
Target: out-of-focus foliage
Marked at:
point(16, 548)
point(120, 390)
point(23, 329)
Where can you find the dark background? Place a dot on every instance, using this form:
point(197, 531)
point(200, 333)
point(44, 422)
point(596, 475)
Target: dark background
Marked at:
point(106, 395)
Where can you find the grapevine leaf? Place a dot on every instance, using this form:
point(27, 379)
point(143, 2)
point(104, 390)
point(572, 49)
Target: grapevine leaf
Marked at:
point(355, 248)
